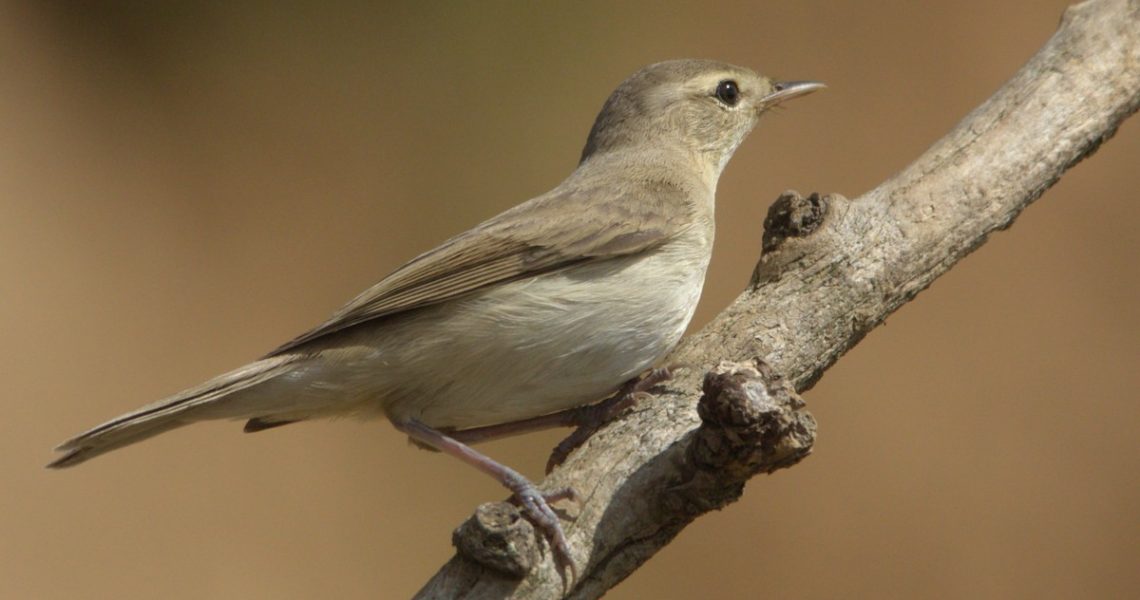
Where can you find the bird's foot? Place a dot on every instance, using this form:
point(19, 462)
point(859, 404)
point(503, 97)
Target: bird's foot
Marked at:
point(535, 506)
point(589, 419)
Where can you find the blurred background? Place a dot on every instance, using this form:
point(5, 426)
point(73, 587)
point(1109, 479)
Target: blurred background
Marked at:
point(183, 186)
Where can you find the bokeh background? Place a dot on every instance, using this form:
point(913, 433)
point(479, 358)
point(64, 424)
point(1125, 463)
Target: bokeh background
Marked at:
point(185, 185)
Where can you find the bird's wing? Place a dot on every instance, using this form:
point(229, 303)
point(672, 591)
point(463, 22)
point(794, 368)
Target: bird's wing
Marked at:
point(548, 233)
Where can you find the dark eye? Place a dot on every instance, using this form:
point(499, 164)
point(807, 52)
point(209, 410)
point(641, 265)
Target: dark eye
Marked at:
point(728, 92)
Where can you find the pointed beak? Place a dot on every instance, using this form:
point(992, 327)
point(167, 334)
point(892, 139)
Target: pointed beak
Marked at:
point(786, 90)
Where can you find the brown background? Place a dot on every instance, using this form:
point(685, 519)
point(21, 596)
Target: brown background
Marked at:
point(182, 189)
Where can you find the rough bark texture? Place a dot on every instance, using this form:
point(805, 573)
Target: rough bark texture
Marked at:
point(832, 269)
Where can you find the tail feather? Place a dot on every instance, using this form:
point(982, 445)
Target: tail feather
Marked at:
point(139, 432)
point(196, 404)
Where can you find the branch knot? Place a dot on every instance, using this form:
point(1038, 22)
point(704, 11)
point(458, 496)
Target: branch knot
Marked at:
point(498, 538)
point(752, 422)
point(792, 215)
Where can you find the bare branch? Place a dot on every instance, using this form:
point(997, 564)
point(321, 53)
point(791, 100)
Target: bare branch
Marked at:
point(832, 269)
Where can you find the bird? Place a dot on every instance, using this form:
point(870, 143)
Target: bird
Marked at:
point(547, 307)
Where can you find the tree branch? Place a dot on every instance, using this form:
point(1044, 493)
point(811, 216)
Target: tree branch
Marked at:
point(832, 269)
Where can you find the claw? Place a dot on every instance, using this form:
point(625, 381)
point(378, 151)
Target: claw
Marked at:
point(535, 506)
point(590, 419)
point(533, 503)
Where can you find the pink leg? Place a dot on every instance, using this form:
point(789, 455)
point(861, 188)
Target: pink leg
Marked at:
point(590, 417)
point(475, 435)
point(534, 503)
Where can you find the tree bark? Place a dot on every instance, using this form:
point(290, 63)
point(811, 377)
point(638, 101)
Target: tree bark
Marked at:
point(831, 270)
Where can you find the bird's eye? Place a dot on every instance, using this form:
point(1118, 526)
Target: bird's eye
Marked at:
point(728, 92)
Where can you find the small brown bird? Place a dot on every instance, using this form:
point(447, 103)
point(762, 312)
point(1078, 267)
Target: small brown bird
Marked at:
point(546, 307)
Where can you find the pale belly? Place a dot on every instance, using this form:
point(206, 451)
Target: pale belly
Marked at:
point(520, 350)
point(545, 344)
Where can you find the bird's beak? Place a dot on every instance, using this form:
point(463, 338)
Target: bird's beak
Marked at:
point(786, 90)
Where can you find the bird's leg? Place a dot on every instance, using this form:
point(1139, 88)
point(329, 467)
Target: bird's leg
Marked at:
point(589, 419)
point(474, 435)
point(534, 502)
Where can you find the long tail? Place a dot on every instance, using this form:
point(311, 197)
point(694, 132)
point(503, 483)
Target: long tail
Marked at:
point(192, 405)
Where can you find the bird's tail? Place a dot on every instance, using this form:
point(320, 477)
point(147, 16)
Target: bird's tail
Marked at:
point(195, 404)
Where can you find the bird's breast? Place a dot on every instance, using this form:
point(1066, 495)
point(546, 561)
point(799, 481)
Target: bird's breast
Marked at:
point(545, 343)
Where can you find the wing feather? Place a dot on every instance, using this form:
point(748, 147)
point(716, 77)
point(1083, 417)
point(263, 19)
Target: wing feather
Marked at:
point(548, 233)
